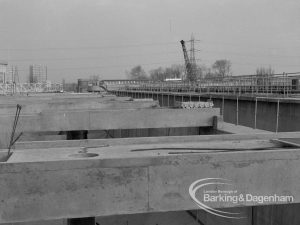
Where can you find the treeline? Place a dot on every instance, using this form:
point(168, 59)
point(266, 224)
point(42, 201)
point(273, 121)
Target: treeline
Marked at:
point(159, 74)
point(263, 71)
point(219, 69)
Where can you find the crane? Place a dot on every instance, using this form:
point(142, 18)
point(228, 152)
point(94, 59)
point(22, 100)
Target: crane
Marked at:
point(188, 65)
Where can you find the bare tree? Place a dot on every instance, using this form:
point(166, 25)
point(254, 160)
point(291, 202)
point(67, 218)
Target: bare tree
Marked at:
point(157, 74)
point(222, 67)
point(160, 74)
point(263, 71)
point(175, 71)
point(210, 73)
point(202, 71)
point(137, 73)
point(263, 74)
point(95, 77)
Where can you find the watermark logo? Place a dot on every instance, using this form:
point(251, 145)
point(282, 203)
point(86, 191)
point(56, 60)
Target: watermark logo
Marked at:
point(198, 184)
point(219, 190)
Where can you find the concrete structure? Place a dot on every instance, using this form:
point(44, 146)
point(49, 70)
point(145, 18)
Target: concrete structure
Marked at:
point(251, 111)
point(126, 180)
point(47, 105)
point(54, 180)
point(156, 117)
point(70, 87)
point(112, 119)
point(107, 120)
point(36, 106)
point(83, 85)
point(117, 84)
point(90, 85)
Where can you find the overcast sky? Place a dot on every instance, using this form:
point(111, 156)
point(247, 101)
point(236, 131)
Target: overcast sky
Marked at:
point(79, 38)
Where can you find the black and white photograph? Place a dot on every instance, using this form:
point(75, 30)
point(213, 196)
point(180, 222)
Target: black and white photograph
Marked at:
point(149, 112)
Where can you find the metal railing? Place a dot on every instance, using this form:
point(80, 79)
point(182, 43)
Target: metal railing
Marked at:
point(284, 85)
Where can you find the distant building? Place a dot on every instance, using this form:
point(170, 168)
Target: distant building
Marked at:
point(37, 74)
point(83, 85)
point(12, 74)
point(88, 85)
point(3, 72)
point(70, 87)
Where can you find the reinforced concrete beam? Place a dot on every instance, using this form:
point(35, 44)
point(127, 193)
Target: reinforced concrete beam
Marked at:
point(54, 184)
point(111, 119)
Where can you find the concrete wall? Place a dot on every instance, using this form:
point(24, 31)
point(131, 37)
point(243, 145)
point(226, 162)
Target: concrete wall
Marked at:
point(166, 218)
point(289, 117)
point(276, 215)
point(288, 120)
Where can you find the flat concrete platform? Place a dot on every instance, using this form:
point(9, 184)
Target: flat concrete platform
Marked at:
point(153, 140)
point(238, 129)
point(141, 150)
point(37, 105)
point(107, 104)
point(42, 184)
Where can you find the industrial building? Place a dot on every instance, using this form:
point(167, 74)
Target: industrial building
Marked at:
point(37, 73)
point(3, 71)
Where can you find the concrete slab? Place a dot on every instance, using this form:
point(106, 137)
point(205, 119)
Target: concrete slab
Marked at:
point(50, 184)
point(153, 140)
point(47, 99)
point(142, 150)
point(33, 107)
point(238, 129)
